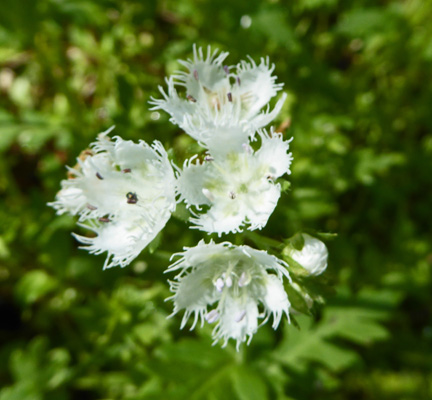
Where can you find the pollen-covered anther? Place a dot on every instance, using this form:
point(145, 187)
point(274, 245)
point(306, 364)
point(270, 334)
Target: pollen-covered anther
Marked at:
point(229, 95)
point(126, 170)
point(104, 219)
point(91, 207)
point(191, 98)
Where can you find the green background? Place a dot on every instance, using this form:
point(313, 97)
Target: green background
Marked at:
point(357, 74)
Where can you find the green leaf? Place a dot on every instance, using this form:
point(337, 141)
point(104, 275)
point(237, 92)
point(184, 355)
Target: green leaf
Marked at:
point(351, 318)
point(248, 385)
point(34, 285)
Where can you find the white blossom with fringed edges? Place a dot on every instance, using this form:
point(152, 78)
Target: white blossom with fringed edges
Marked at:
point(221, 104)
point(228, 285)
point(236, 189)
point(124, 192)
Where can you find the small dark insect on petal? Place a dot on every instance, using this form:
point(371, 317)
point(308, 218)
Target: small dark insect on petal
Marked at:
point(191, 98)
point(195, 74)
point(229, 97)
point(132, 198)
point(270, 178)
point(127, 170)
point(99, 176)
point(104, 219)
point(232, 195)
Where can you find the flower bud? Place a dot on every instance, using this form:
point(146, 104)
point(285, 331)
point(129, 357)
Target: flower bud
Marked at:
point(313, 256)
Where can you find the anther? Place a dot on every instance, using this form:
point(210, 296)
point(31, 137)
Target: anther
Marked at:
point(195, 74)
point(228, 281)
point(219, 284)
point(91, 207)
point(191, 98)
point(243, 280)
point(270, 178)
point(208, 194)
point(99, 176)
point(131, 198)
point(232, 195)
point(240, 315)
point(208, 158)
point(238, 81)
point(104, 219)
point(229, 97)
point(212, 316)
point(127, 170)
point(247, 148)
point(226, 69)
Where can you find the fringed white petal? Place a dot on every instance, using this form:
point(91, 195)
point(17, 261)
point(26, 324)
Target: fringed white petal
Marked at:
point(225, 284)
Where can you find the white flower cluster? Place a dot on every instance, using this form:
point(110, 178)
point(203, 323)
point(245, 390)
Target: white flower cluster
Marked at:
point(125, 193)
point(221, 109)
point(122, 191)
point(233, 281)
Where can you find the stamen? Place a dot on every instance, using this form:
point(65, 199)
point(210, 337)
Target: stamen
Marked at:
point(228, 281)
point(240, 315)
point(132, 198)
point(226, 69)
point(99, 176)
point(91, 207)
point(208, 157)
point(127, 170)
point(243, 280)
point(238, 81)
point(191, 98)
point(219, 284)
point(104, 219)
point(208, 194)
point(229, 97)
point(247, 148)
point(195, 74)
point(232, 195)
point(212, 316)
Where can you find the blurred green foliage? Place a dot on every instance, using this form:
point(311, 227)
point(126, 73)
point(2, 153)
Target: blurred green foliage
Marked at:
point(357, 76)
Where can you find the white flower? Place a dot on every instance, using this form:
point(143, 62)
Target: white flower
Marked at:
point(220, 106)
point(232, 286)
point(122, 191)
point(238, 188)
point(313, 256)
